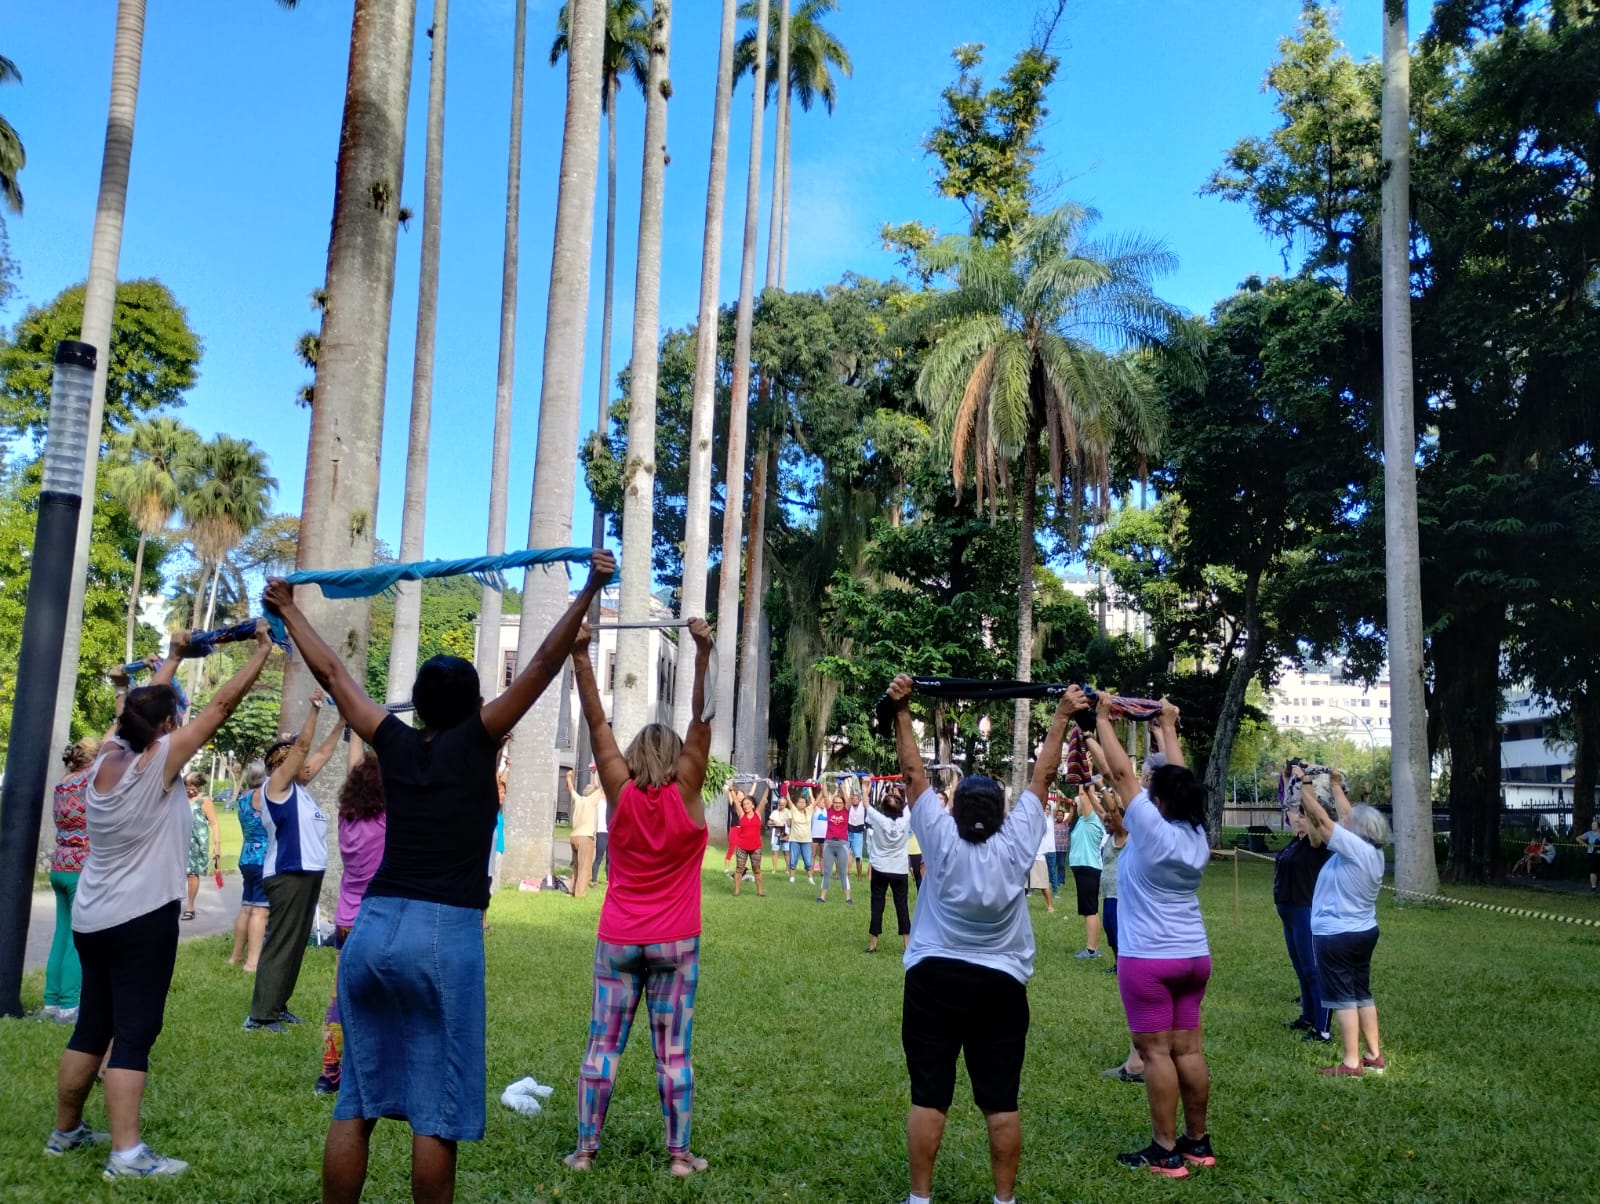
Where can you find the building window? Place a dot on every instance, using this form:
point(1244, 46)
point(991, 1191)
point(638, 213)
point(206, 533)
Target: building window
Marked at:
point(508, 670)
point(611, 672)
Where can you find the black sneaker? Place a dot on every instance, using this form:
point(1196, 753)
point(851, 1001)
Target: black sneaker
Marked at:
point(1157, 1160)
point(326, 1086)
point(1298, 1025)
point(1197, 1151)
point(288, 1017)
point(1320, 1038)
point(251, 1024)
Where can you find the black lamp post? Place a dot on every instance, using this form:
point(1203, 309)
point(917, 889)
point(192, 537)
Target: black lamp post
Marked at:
point(28, 752)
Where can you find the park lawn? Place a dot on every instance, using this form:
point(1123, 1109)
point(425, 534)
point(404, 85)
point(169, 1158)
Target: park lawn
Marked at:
point(1482, 1017)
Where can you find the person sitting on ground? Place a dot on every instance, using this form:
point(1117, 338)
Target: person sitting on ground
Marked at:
point(1294, 880)
point(891, 827)
point(1165, 960)
point(411, 976)
point(1532, 852)
point(1344, 920)
point(971, 951)
point(648, 943)
point(125, 915)
point(63, 976)
point(363, 827)
point(205, 841)
point(250, 925)
point(747, 840)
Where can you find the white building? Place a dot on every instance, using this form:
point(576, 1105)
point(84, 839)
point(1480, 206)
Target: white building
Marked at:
point(659, 689)
point(1119, 619)
point(1535, 770)
point(1324, 701)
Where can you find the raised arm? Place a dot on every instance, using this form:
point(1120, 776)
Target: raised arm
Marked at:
point(178, 649)
point(1044, 769)
point(691, 770)
point(501, 715)
point(1108, 751)
point(608, 762)
point(289, 769)
point(1167, 724)
point(362, 714)
point(189, 739)
point(1319, 824)
point(319, 759)
point(1340, 799)
point(905, 739)
point(358, 750)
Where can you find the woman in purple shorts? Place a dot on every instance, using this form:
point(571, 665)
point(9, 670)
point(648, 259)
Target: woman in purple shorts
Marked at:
point(1163, 959)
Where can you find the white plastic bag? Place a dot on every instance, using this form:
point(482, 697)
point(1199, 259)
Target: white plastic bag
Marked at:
point(524, 1095)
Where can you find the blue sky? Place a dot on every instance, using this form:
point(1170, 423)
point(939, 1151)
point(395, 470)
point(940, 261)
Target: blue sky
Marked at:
point(233, 167)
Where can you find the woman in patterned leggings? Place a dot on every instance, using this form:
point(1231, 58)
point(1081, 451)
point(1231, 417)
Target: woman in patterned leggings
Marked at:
point(649, 938)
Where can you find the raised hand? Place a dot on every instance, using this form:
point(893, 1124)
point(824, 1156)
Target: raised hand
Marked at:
point(279, 595)
point(700, 630)
point(602, 567)
point(580, 642)
point(900, 689)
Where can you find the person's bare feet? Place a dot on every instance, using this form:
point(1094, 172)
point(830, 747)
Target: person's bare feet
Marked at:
point(578, 1160)
point(684, 1165)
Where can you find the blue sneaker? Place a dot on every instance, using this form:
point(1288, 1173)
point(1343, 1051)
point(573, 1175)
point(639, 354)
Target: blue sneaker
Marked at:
point(143, 1163)
point(251, 1024)
point(60, 1143)
point(288, 1017)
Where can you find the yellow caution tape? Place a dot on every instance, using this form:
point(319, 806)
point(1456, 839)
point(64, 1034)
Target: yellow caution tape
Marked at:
point(1526, 913)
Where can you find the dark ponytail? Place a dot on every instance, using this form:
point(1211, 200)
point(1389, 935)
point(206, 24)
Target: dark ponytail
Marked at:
point(144, 711)
point(1179, 794)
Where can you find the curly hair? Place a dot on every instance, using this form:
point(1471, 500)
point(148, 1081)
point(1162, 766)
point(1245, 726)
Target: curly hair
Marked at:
point(361, 796)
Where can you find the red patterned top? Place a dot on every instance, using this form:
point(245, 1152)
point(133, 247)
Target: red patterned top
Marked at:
point(655, 851)
point(72, 831)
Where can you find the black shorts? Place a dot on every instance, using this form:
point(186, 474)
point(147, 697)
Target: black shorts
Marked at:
point(1344, 968)
point(954, 1007)
point(1087, 879)
point(1594, 861)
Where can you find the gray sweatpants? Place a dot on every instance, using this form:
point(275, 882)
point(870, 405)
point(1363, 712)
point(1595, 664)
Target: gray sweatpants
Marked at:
point(836, 853)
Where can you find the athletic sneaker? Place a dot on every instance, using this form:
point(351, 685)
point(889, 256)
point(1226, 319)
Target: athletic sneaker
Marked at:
point(251, 1024)
point(1156, 1159)
point(1087, 955)
point(1374, 1065)
point(59, 1143)
point(288, 1017)
point(849, 902)
point(143, 1163)
point(1324, 1038)
point(791, 877)
point(1299, 1024)
point(65, 1016)
point(749, 877)
point(1197, 1151)
point(1341, 1070)
point(326, 1086)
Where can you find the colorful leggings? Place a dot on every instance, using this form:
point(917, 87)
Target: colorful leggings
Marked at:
point(666, 975)
point(333, 1025)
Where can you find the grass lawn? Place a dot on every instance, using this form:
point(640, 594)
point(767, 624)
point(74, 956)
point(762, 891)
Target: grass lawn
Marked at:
point(1489, 1096)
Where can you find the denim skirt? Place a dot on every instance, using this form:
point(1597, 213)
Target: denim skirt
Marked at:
point(412, 997)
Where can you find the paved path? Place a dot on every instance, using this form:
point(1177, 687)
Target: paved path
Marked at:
point(213, 913)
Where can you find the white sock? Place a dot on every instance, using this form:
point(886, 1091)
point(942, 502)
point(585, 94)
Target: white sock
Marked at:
point(130, 1154)
point(913, 1198)
point(1012, 1200)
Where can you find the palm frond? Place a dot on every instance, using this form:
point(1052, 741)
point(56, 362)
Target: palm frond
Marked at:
point(964, 421)
point(1010, 398)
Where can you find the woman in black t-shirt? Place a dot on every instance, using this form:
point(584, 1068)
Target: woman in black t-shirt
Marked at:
point(411, 975)
point(1293, 880)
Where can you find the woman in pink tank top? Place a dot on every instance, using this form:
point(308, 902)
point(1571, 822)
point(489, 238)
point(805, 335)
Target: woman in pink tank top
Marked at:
point(649, 938)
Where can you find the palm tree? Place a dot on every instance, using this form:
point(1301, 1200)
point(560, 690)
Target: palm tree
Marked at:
point(531, 792)
point(1023, 350)
point(13, 158)
point(146, 465)
point(413, 515)
point(697, 512)
point(813, 54)
point(308, 346)
point(631, 692)
point(226, 493)
point(739, 418)
point(1411, 785)
point(99, 299)
point(489, 608)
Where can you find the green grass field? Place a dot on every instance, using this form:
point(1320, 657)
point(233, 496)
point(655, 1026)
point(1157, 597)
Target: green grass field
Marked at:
point(1489, 1096)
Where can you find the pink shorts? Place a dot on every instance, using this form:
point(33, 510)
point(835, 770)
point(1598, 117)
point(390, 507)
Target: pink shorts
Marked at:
point(1162, 994)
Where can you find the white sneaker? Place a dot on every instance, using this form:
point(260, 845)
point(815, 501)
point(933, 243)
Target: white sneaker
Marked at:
point(59, 1143)
point(66, 1016)
point(143, 1163)
point(749, 877)
point(791, 877)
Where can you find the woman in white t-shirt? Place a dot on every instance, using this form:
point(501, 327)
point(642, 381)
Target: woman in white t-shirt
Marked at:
point(1344, 920)
point(1163, 958)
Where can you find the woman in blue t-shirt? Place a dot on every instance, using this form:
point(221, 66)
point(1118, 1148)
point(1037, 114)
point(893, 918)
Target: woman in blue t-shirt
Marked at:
point(250, 925)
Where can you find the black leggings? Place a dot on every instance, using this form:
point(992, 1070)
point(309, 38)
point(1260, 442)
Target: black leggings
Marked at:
point(126, 972)
point(882, 883)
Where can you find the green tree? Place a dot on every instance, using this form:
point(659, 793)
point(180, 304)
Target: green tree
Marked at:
point(226, 491)
point(1023, 351)
point(148, 464)
point(154, 358)
point(13, 158)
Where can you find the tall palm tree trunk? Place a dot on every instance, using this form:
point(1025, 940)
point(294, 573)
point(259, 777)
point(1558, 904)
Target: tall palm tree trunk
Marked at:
point(133, 598)
point(745, 753)
point(788, 181)
point(780, 142)
point(99, 301)
point(1020, 743)
point(490, 606)
point(413, 515)
point(531, 791)
point(739, 414)
point(697, 513)
point(1412, 792)
point(635, 672)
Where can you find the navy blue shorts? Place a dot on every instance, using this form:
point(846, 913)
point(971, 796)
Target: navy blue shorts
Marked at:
point(1344, 968)
point(253, 893)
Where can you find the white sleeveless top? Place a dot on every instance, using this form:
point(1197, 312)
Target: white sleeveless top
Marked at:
point(138, 844)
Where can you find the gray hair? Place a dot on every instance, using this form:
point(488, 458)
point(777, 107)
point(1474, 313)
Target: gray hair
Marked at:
point(1368, 823)
point(1153, 762)
point(255, 773)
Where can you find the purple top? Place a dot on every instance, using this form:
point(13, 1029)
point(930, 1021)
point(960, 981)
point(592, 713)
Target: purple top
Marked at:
point(361, 848)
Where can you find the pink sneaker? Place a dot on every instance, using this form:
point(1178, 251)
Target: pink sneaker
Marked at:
point(1341, 1070)
point(1374, 1065)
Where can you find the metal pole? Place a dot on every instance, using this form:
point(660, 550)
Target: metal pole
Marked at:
point(39, 660)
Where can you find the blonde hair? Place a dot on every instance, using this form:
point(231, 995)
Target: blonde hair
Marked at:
point(81, 755)
point(653, 756)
